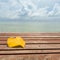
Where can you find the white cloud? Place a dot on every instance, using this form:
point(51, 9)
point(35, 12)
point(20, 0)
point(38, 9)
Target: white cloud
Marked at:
point(55, 11)
point(40, 12)
point(10, 9)
point(17, 8)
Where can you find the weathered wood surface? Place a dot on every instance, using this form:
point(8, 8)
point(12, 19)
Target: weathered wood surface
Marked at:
point(39, 46)
point(31, 57)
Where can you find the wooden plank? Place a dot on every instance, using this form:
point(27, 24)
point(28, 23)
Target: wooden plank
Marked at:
point(33, 46)
point(30, 52)
point(29, 34)
point(24, 36)
point(31, 57)
point(33, 38)
point(35, 42)
point(3, 40)
point(23, 57)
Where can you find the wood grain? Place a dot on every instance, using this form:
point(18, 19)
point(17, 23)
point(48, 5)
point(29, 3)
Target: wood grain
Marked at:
point(39, 46)
point(31, 57)
point(29, 34)
point(34, 46)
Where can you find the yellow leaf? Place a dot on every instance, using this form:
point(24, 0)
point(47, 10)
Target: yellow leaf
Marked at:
point(13, 42)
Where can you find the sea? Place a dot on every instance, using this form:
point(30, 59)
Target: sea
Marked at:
point(30, 26)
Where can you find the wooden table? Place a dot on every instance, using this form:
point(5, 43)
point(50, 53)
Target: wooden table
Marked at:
point(39, 46)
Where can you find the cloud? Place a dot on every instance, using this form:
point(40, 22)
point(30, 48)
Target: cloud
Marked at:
point(19, 8)
point(10, 9)
point(40, 12)
point(55, 11)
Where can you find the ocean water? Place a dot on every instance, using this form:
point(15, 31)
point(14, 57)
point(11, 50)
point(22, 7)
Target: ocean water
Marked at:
point(29, 26)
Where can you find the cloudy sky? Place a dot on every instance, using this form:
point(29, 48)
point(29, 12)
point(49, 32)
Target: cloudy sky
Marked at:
point(14, 9)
